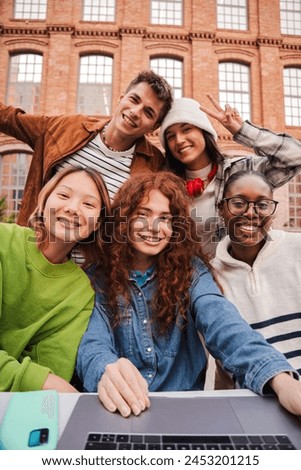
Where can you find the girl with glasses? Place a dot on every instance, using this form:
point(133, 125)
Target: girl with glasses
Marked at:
point(192, 153)
point(155, 294)
point(260, 268)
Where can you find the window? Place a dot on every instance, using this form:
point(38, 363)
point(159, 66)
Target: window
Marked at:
point(232, 14)
point(295, 203)
point(13, 172)
point(172, 71)
point(30, 9)
point(290, 16)
point(99, 10)
point(24, 84)
point(234, 86)
point(292, 96)
point(167, 12)
point(95, 85)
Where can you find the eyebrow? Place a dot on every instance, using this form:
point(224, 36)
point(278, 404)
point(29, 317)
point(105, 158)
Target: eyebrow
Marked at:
point(70, 189)
point(258, 197)
point(149, 210)
point(149, 108)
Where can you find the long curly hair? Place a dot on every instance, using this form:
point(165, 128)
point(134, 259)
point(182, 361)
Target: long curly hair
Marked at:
point(173, 264)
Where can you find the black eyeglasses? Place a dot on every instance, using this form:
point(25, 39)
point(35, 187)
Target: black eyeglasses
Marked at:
point(262, 207)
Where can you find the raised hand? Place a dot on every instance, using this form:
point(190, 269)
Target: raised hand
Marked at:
point(228, 117)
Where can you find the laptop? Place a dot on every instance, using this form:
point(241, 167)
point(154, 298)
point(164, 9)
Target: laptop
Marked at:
point(192, 422)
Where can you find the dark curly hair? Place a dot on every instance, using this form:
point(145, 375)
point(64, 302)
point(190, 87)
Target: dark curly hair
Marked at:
point(173, 264)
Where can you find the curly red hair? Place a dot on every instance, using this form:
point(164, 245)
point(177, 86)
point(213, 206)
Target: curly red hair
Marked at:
point(173, 264)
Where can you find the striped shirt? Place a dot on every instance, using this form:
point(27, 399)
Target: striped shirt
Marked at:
point(114, 167)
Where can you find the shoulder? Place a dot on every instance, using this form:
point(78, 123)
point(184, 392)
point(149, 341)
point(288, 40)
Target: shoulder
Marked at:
point(12, 230)
point(199, 268)
point(202, 282)
point(144, 146)
point(13, 237)
point(285, 238)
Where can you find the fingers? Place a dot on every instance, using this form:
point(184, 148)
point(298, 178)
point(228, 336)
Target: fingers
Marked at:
point(123, 388)
point(211, 113)
point(214, 102)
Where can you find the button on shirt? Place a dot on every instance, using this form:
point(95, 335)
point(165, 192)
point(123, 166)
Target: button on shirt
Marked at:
point(177, 360)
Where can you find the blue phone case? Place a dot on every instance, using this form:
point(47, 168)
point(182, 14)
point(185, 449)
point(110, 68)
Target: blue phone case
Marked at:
point(30, 421)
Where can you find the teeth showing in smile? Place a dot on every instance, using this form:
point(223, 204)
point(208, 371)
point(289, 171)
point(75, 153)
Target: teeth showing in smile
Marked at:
point(249, 228)
point(128, 121)
point(185, 149)
point(67, 222)
point(150, 239)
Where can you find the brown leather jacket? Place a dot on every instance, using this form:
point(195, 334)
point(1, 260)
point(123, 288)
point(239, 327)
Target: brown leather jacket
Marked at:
point(53, 138)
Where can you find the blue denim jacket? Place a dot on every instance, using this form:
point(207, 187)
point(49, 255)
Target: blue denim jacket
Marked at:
point(177, 360)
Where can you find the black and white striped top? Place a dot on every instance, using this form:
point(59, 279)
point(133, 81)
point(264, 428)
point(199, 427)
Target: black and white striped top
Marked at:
point(113, 166)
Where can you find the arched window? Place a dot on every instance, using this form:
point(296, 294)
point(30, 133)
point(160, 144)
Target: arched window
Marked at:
point(234, 86)
point(99, 10)
point(24, 81)
point(292, 96)
point(290, 16)
point(172, 71)
point(13, 172)
point(95, 85)
point(232, 14)
point(30, 9)
point(169, 12)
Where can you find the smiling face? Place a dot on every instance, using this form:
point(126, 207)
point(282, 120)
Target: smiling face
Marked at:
point(248, 230)
point(150, 229)
point(72, 210)
point(137, 111)
point(187, 144)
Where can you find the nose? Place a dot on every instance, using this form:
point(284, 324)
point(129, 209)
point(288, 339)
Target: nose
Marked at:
point(136, 110)
point(179, 137)
point(72, 207)
point(250, 212)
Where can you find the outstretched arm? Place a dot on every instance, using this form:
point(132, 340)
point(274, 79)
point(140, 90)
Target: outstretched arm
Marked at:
point(228, 117)
point(288, 391)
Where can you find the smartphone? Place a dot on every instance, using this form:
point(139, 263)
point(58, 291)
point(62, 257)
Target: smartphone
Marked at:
point(30, 421)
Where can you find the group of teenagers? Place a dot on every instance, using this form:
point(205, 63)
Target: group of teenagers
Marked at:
point(177, 253)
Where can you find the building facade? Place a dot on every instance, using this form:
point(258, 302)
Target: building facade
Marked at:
point(74, 56)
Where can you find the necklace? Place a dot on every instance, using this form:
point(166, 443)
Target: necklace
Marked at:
point(197, 186)
point(103, 136)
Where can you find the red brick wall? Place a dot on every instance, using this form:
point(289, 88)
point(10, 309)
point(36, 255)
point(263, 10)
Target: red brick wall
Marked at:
point(132, 41)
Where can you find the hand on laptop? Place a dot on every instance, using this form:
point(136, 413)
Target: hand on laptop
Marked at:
point(288, 391)
point(123, 388)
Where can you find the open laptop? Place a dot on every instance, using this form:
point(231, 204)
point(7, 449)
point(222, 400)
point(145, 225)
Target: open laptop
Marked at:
point(192, 422)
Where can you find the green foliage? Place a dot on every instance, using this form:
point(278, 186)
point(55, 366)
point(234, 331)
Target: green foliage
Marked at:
point(3, 216)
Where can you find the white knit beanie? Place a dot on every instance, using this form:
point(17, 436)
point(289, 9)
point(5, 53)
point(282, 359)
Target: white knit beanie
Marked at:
point(186, 110)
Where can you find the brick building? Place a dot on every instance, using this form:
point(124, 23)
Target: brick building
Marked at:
point(67, 56)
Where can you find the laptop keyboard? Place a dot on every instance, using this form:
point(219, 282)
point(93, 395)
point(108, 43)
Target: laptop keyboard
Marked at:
point(97, 441)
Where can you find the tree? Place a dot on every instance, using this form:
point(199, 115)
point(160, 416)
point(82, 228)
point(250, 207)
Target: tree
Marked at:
point(3, 208)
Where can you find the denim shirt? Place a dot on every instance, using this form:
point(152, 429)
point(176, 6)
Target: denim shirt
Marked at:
point(177, 360)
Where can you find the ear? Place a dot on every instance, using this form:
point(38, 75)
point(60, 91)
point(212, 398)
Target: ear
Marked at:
point(221, 209)
point(120, 98)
